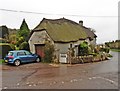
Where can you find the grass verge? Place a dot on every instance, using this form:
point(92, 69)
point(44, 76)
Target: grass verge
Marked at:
point(115, 50)
point(1, 61)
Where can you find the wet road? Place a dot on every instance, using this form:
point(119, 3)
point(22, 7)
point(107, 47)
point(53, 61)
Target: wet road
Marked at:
point(98, 75)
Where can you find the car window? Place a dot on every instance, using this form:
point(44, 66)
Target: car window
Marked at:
point(28, 53)
point(10, 54)
point(21, 53)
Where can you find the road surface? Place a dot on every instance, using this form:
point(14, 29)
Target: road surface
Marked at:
point(98, 75)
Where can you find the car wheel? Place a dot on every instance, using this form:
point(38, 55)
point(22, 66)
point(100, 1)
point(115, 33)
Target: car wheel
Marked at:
point(38, 60)
point(17, 62)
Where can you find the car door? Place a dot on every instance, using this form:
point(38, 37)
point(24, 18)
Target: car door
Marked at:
point(30, 56)
point(22, 56)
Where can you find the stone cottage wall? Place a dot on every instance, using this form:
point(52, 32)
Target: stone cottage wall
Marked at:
point(37, 38)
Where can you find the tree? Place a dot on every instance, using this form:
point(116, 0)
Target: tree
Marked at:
point(24, 30)
point(4, 31)
point(20, 40)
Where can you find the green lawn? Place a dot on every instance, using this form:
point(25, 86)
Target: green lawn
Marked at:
point(116, 50)
point(1, 61)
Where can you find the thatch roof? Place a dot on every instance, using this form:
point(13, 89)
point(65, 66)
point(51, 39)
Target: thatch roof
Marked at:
point(62, 30)
point(89, 32)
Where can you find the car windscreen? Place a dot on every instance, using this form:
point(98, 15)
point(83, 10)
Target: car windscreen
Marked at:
point(10, 54)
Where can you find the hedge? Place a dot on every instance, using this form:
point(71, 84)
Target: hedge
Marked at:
point(4, 47)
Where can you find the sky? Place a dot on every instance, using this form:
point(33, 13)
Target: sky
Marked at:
point(101, 15)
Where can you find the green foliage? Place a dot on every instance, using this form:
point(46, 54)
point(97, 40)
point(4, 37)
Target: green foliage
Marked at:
point(3, 31)
point(2, 61)
point(109, 55)
point(96, 50)
point(113, 44)
point(5, 48)
point(23, 34)
point(19, 41)
point(84, 45)
point(106, 50)
point(2, 40)
point(94, 54)
point(24, 30)
point(12, 46)
point(107, 44)
point(115, 50)
point(24, 46)
point(91, 48)
point(13, 38)
point(49, 50)
point(83, 49)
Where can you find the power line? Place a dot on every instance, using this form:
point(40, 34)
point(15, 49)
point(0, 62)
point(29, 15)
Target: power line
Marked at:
point(9, 10)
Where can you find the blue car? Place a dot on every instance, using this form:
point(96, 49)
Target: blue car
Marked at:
point(21, 56)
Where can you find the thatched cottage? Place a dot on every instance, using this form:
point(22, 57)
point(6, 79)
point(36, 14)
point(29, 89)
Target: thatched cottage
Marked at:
point(63, 33)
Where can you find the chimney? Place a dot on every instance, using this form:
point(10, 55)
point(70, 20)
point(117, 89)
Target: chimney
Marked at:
point(81, 22)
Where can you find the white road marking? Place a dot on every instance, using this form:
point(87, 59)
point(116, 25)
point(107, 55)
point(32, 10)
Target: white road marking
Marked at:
point(109, 80)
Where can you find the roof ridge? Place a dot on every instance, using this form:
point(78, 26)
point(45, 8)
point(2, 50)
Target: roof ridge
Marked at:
point(60, 20)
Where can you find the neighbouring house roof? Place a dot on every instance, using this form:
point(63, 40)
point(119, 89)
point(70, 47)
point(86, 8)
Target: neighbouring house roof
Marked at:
point(63, 30)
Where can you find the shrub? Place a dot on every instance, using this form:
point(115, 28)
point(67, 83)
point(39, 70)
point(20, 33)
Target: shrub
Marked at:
point(12, 46)
point(49, 50)
point(24, 46)
point(83, 49)
point(19, 41)
point(96, 50)
point(109, 55)
point(106, 50)
point(5, 48)
point(2, 61)
point(94, 54)
point(2, 41)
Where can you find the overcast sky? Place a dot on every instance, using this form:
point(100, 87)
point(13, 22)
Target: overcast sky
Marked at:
point(100, 15)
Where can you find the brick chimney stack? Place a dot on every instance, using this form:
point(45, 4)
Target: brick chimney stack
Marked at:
point(81, 22)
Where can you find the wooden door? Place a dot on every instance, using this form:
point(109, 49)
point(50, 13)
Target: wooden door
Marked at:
point(39, 49)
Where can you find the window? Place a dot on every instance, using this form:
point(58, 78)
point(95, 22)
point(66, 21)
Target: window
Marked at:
point(70, 45)
point(21, 53)
point(28, 53)
point(10, 53)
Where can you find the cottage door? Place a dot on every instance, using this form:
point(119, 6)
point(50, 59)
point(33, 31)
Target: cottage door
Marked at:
point(39, 49)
